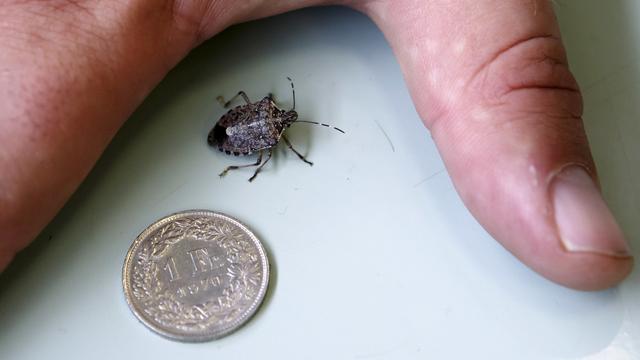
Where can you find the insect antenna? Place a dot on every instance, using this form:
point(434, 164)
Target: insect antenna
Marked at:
point(294, 93)
point(317, 123)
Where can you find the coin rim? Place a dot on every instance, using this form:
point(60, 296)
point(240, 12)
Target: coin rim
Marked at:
point(210, 335)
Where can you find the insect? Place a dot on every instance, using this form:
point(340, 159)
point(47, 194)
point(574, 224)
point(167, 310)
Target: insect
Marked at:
point(255, 127)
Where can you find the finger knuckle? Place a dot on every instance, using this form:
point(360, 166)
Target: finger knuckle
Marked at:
point(535, 68)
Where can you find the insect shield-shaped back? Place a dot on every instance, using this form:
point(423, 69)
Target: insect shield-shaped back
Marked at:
point(249, 128)
point(255, 127)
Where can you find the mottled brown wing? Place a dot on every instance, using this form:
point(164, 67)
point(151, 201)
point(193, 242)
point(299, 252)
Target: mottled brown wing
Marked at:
point(248, 128)
point(250, 137)
point(237, 115)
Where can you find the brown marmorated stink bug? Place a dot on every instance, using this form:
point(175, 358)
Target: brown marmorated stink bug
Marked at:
point(255, 127)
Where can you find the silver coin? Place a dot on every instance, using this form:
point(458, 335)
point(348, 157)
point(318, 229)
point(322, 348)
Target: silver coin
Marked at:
point(195, 275)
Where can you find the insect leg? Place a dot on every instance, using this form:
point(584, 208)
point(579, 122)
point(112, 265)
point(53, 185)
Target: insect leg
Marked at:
point(226, 104)
point(260, 167)
point(294, 150)
point(234, 167)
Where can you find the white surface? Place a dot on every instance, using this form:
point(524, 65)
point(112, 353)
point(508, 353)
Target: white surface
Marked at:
point(374, 256)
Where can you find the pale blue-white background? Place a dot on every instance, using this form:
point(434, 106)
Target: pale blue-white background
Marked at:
point(374, 256)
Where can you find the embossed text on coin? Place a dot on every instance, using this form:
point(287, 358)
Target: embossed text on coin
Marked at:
point(195, 276)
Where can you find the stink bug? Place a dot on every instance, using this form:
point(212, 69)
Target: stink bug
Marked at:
point(255, 127)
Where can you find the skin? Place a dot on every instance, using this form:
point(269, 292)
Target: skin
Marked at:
point(72, 71)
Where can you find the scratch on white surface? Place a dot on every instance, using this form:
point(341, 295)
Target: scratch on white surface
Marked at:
point(429, 177)
point(171, 193)
point(393, 148)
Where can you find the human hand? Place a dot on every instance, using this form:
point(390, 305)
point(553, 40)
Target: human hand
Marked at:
point(489, 78)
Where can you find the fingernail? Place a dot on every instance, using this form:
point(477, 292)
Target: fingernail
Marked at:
point(584, 220)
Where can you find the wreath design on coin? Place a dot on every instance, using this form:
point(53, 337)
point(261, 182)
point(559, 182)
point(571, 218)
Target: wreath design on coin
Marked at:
point(243, 275)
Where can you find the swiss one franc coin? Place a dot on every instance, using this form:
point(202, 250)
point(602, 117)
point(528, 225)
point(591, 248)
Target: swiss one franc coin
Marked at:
point(195, 275)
